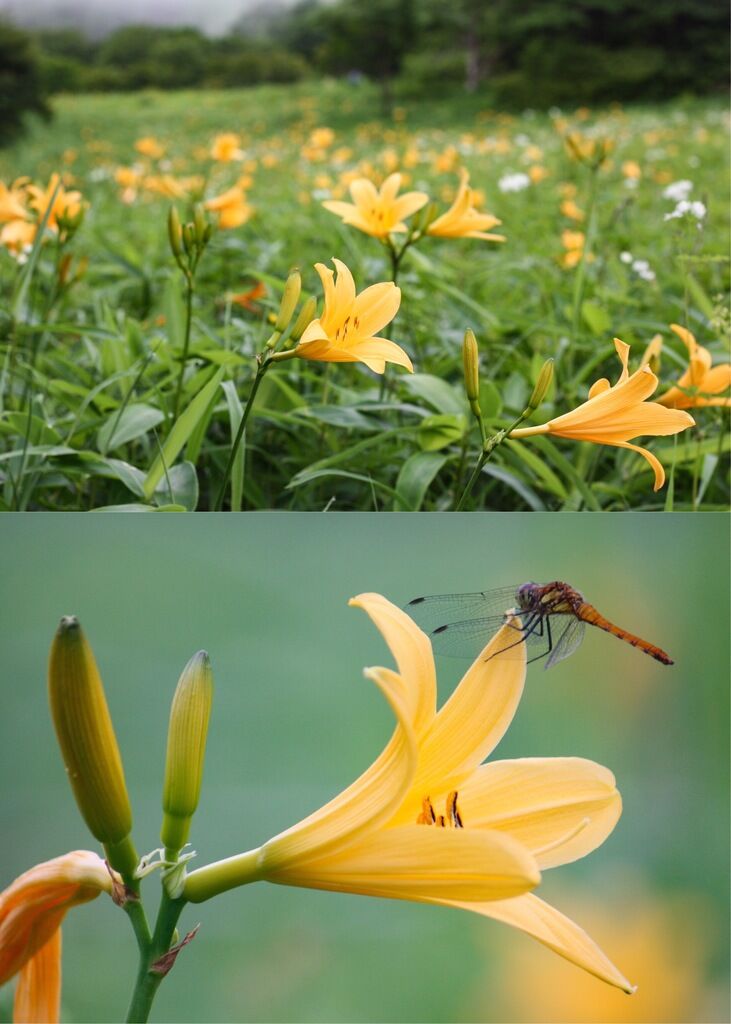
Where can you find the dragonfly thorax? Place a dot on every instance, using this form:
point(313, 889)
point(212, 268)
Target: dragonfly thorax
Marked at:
point(549, 598)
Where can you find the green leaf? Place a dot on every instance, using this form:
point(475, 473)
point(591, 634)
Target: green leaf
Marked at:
point(437, 432)
point(415, 477)
point(137, 507)
point(539, 468)
point(179, 486)
point(595, 317)
point(133, 422)
point(436, 392)
point(491, 402)
point(180, 433)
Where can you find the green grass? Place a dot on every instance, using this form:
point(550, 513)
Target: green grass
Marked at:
point(89, 388)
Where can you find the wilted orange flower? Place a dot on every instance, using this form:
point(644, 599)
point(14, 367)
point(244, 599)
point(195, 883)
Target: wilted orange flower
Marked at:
point(614, 415)
point(702, 383)
point(429, 822)
point(31, 911)
point(226, 147)
point(231, 208)
point(462, 220)
point(149, 146)
point(65, 204)
point(346, 331)
point(377, 212)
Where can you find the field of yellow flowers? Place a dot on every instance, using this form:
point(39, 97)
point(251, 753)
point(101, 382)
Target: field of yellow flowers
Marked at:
point(278, 298)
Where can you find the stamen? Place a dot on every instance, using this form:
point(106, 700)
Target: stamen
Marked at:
point(564, 839)
point(453, 814)
point(452, 819)
point(427, 816)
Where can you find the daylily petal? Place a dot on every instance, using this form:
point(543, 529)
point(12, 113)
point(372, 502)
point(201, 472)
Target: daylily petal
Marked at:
point(375, 307)
point(408, 204)
point(328, 287)
point(412, 653)
point(389, 188)
point(655, 463)
point(344, 290)
point(636, 420)
point(417, 861)
point(474, 719)
point(382, 348)
point(313, 332)
point(717, 379)
point(560, 808)
point(364, 192)
point(553, 929)
point(34, 905)
point(377, 791)
point(38, 992)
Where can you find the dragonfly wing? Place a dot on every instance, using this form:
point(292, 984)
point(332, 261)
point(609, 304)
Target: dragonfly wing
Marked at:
point(467, 639)
point(442, 609)
point(567, 632)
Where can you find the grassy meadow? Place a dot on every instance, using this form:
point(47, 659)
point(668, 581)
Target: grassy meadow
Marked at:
point(113, 398)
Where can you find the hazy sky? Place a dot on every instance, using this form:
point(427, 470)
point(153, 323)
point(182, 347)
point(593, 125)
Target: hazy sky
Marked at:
point(98, 15)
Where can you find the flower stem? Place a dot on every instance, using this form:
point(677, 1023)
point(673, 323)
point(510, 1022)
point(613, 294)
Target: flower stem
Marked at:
point(148, 979)
point(488, 447)
point(186, 342)
point(262, 367)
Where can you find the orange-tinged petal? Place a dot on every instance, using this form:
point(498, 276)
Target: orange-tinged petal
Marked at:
point(655, 463)
point(313, 332)
point(33, 906)
point(418, 861)
point(717, 379)
point(382, 349)
point(375, 307)
point(560, 808)
point(474, 719)
point(359, 807)
point(535, 917)
point(599, 387)
point(411, 650)
point(38, 992)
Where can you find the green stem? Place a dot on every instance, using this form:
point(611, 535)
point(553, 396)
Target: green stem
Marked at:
point(186, 342)
point(488, 447)
point(148, 980)
point(263, 366)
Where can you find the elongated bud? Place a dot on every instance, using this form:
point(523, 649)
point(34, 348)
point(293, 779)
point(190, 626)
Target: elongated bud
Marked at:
point(304, 319)
point(290, 298)
point(189, 239)
point(175, 233)
point(471, 361)
point(187, 733)
point(199, 222)
point(88, 744)
point(542, 385)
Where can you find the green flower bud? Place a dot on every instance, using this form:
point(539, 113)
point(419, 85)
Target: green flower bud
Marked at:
point(199, 222)
point(290, 298)
point(471, 363)
point(542, 385)
point(88, 744)
point(189, 715)
point(305, 318)
point(175, 233)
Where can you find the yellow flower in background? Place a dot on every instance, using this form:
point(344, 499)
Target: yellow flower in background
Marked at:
point(631, 169)
point(226, 147)
point(614, 415)
point(31, 911)
point(18, 236)
point(537, 173)
point(231, 208)
point(377, 212)
point(702, 383)
point(462, 220)
point(165, 185)
point(428, 822)
point(129, 180)
point(571, 210)
point(149, 146)
point(573, 243)
point(13, 201)
point(345, 333)
point(322, 138)
point(65, 204)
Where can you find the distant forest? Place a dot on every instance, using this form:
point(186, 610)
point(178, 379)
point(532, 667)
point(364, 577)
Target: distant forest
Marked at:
point(519, 53)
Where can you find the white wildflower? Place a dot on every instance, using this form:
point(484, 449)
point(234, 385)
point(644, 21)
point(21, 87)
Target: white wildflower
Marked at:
point(513, 182)
point(678, 190)
point(626, 257)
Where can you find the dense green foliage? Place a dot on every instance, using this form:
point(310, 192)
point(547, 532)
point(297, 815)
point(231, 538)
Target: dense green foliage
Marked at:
point(102, 368)
point(22, 90)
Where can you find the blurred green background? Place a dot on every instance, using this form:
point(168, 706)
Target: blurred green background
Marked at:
point(294, 721)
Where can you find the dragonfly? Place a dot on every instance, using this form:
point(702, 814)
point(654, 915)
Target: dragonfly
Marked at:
point(549, 618)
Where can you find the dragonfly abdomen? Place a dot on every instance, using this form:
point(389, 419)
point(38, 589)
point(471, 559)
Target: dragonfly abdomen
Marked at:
point(588, 613)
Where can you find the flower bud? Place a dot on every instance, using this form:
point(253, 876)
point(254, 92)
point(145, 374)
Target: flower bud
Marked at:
point(86, 735)
point(304, 319)
point(471, 362)
point(189, 714)
point(175, 233)
point(290, 298)
point(189, 240)
point(542, 385)
point(200, 224)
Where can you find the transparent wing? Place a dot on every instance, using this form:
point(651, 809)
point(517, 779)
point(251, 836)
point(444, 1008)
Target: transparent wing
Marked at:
point(567, 632)
point(443, 609)
point(466, 639)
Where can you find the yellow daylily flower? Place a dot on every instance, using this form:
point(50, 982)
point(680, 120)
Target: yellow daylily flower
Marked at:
point(613, 415)
point(31, 911)
point(231, 208)
point(227, 147)
point(346, 331)
point(462, 220)
point(377, 212)
point(12, 201)
point(18, 236)
point(702, 383)
point(66, 204)
point(428, 822)
point(149, 146)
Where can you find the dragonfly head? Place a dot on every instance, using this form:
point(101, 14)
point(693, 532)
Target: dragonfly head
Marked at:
point(525, 596)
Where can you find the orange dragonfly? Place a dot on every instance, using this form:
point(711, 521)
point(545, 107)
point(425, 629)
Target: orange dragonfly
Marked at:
point(552, 617)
